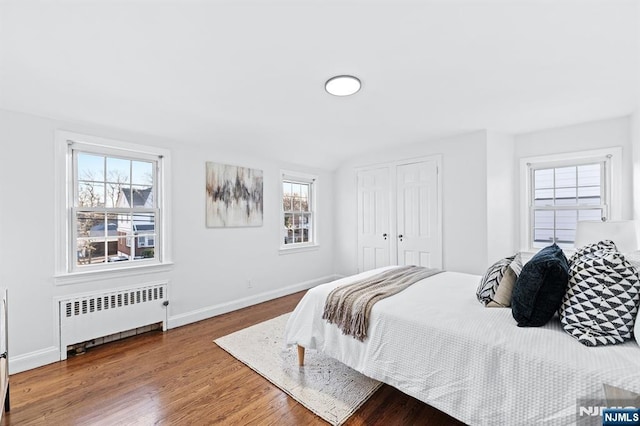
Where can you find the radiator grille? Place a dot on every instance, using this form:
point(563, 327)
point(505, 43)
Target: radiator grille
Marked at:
point(113, 301)
point(91, 316)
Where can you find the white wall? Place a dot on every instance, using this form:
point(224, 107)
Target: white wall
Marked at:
point(481, 198)
point(615, 132)
point(635, 148)
point(635, 141)
point(464, 201)
point(501, 213)
point(211, 266)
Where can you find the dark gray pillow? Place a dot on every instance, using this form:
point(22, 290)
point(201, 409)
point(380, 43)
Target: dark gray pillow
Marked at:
point(540, 287)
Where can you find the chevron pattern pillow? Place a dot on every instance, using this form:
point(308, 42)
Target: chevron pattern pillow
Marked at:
point(491, 279)
point(601, 303)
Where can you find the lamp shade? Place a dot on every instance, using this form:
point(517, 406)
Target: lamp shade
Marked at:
point(622, 233)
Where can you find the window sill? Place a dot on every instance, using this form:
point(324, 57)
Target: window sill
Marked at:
point(105, 274)
point(298, 249)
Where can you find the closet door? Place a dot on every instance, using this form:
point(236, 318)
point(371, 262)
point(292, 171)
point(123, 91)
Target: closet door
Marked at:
point(374, 221)
point(418, 215)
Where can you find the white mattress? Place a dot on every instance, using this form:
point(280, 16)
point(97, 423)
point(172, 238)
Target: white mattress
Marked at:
point(436, 342)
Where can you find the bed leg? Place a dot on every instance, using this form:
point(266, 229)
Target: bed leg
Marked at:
point(300, 356)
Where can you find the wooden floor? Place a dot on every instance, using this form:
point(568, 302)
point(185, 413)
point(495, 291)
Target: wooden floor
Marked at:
point(182, 377)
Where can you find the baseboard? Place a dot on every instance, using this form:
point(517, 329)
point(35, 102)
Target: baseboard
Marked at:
point(223, 308)
point(28, 361)
point(35, 359)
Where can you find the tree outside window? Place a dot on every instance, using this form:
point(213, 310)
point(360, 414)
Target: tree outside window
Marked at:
point(297, 211)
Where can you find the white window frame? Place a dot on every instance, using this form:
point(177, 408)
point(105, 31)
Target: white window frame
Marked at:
point(612, 181)
point(286, 175)
point(67, 270)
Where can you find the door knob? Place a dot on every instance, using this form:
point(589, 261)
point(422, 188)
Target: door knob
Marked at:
point(385, 236)
point(400, 237)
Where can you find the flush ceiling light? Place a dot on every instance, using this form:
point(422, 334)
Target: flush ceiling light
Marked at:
point(342, 85)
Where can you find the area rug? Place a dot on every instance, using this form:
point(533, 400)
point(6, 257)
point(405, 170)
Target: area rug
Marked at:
point(325, 386)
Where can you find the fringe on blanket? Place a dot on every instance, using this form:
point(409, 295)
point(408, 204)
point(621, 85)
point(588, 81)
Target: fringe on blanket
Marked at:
point(349, 306)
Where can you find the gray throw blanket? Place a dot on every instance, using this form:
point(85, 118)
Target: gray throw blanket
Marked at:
point(349, 306)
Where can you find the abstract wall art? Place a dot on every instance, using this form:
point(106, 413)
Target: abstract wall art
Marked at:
point(234, 196)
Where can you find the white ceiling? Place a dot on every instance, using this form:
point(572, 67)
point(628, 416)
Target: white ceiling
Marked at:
point(249, 74)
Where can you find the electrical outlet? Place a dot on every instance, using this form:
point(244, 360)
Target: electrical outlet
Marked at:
point(249, 283)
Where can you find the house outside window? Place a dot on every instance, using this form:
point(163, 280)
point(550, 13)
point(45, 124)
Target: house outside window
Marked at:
point(113, 202)
point(562, 196)
point(566, 189)
point(298, 210)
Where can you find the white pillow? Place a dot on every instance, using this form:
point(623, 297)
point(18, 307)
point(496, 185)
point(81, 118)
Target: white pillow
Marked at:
point(634, 258)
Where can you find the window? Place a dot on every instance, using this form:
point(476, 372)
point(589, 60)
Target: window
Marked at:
point(114, 205)
point(298, 210)
point(562, 192)
point(562, 196)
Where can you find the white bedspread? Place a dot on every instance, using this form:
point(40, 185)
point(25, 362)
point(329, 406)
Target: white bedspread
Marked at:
point(435, 342)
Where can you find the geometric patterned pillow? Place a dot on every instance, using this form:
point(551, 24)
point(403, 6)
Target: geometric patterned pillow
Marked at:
point(636, 329)
point(634, 258)
point(491, 279)
point(601, 302)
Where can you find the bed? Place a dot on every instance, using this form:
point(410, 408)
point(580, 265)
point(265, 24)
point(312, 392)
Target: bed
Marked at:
point(435, 342)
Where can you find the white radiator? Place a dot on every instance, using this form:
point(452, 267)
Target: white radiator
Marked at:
point(90, 316)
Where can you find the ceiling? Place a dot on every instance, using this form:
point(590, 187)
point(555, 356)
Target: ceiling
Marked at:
point(249, 75)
